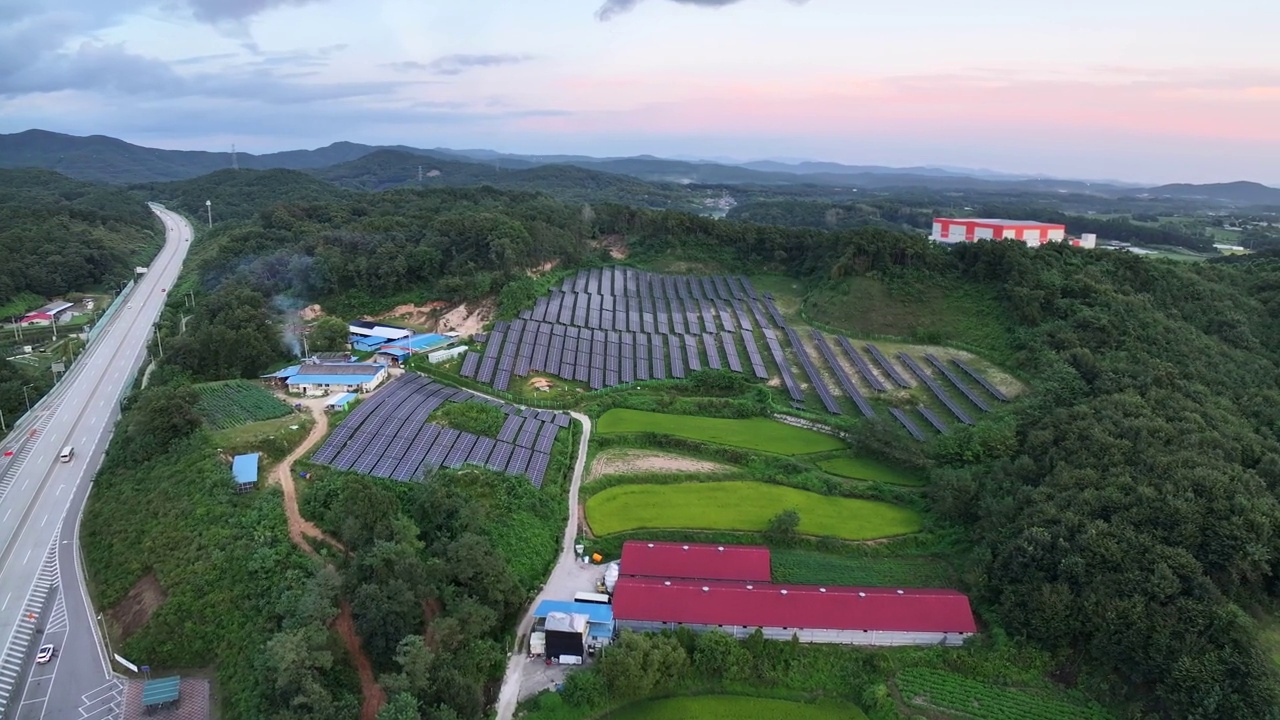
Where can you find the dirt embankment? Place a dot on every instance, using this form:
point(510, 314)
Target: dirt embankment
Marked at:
point(144, 598)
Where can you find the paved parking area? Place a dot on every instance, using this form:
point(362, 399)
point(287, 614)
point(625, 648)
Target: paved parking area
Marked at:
point(537, 674)
point(193, 702)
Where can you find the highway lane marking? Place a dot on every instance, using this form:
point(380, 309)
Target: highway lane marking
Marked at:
point(59, 490)
point(28, 557)
point(6, 515)
point(46, 517)
point(6, 601)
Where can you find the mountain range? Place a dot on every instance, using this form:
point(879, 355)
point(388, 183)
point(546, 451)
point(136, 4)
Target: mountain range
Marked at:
point(106, 159)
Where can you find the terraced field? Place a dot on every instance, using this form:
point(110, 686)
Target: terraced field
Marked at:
point(751, 433)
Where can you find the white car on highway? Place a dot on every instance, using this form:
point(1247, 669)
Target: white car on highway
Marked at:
point(45, 654)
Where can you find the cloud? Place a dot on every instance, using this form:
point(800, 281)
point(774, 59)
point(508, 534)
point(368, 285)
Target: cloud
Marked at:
point(110, 68)
point(459, 63)
point(217, 11)
point(613, 8)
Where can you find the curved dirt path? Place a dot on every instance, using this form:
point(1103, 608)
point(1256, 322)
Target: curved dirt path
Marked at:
point(509, 694)
point(374, 697)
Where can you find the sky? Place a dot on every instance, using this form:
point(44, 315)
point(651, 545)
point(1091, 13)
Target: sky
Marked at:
point(1134, 90)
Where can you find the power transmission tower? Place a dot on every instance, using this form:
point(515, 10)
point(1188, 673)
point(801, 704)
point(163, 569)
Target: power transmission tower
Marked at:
point(235, 162)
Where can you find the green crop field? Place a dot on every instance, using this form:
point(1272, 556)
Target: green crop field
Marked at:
point(751, 433)
point(743, 506)
point(810, 567)
point(868, 469)
point(734, 707)
point(230, 403)
point(924, 687)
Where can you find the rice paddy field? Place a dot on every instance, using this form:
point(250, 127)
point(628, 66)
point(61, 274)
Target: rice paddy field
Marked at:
point(743, 506)
point(751, 433)
point(868, 469)
point(734, 707)
point(810, 567)
point(941, 690)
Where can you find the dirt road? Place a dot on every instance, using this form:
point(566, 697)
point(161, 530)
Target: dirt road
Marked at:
point(299, 530)
point(509, 695)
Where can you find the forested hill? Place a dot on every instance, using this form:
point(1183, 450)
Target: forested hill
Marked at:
point(59, 235)
point(383, 169)
point(240, 194)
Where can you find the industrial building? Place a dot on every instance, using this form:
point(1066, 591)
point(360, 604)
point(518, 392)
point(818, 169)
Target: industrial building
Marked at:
point(1034, 234)
point(662, 586)
point(813, 614)
point(696, 561)
point(399, 351)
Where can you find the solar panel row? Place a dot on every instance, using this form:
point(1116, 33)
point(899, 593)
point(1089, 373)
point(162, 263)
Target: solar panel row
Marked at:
point(933, 419)
point(995, 391)
point(906, 423)
point(892, 371)
point(788, 378)
point(860, 362)
point(815, 379)
point(842, 377)
point(935, 388)
point(955, 380)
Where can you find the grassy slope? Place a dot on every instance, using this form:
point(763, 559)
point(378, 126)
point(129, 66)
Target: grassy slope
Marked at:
point(738, 505)
point(957, 313)
point(860, 468)
point(752, 433)
point(809, 567)
point(734, 707)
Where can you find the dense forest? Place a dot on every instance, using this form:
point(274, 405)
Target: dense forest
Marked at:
point(898, 212)
point(59, 235)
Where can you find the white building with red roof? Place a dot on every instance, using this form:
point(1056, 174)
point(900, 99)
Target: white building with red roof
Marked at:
point(644, 600)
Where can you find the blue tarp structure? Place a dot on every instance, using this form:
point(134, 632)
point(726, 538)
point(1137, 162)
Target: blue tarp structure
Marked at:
point(597, 613)
point(341, 402)
point(349, 379)
point(244, 468)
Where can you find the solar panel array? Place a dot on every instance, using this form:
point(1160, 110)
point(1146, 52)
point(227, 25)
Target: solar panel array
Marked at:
point(906, 423)
point(388, 434)
point(864, 368)
point(892, 371)
point(615, 326)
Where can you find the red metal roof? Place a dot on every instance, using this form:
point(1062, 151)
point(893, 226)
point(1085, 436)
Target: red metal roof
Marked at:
point(36, 316)
point(697, 561)
point(809, 607)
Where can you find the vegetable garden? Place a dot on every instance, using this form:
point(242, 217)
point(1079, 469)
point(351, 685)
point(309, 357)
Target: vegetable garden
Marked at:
point(925, 687)
point(735, 707)
point(230, 403)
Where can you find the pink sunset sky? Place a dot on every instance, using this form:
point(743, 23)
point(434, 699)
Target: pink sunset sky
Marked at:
point(1116, 89)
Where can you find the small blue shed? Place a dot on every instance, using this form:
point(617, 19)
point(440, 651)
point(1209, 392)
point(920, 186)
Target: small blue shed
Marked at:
point(244, 470)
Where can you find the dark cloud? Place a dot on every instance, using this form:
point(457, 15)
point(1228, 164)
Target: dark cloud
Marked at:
point(217, 11)
point(613, 8)
point(458, 64)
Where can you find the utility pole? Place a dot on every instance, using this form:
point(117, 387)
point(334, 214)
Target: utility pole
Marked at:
point(209, 206)
point(159, 342)
point(235, 162)
point(26, 397)
point(3, 427)
point(191, 295)
point(305, 352)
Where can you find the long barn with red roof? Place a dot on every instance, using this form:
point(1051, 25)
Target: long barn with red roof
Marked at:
point(728, 588)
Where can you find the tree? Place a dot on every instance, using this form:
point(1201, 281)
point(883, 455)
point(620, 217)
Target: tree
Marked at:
point(719, 657)
point(329, 334)
point(783, 526)
point(639, 665)
point(400, 706)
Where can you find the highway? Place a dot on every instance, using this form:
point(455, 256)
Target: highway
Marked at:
point(41, 501)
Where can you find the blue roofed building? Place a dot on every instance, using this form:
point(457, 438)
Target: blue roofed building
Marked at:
point(340, 403)
point(401, 350)
point(244, 470)
point(599, 620)
point(318, 379)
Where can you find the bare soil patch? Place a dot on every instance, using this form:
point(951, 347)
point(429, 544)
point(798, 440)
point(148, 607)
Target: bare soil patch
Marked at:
point(144, 598)
point(311, 312)
point(467, 320)
point(620, 461)
point(616, 245)
point(422, 315)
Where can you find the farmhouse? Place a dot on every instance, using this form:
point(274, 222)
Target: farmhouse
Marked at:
point(324, 378)
point(558, 631)
point(813, 614)
point(56, 311)
point(695, 561)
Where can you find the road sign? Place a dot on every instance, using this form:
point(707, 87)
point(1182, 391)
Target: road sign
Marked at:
point(126, 663)
point(59, 367)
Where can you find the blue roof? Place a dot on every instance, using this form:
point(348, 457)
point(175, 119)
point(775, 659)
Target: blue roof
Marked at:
point(287, 372)
point(421, 342)
point(244, 468)
point(396, 352)
point(596, 613)
point(368, 340)
point(352, 379)
point(343, 400)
